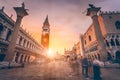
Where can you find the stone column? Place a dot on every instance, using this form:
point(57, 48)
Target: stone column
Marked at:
point(81, 44)
point(21, 12)
point(14, 57)
point(28, 59)
point(115, 41)
point(18, 38)
point(23, 58)
point(92, 12)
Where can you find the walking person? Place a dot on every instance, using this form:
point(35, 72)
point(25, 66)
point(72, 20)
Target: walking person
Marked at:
point(96, 69)
point(85, 67)
point(90, 66)
point(74, 65)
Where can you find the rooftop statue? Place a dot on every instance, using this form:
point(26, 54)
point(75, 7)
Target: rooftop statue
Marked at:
point(91, 6)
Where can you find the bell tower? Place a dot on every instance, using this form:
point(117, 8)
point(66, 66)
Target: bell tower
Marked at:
point(45, 34)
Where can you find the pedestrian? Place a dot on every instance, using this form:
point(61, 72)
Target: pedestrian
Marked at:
point(96, 69)
point(85, 67)
point(74, 65)
point(9, 65)
point(89, 66)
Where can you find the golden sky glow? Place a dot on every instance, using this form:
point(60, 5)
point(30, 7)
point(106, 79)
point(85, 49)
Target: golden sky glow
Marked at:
point(65, 18)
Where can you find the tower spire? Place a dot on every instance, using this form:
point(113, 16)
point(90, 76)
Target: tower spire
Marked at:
point(46, 22)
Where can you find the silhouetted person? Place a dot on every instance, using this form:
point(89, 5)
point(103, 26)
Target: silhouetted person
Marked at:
point(74, 65)
point(96, 69)
point(89, 66)
point(85, 67)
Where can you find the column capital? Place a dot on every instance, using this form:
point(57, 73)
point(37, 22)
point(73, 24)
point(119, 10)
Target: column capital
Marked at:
point(21, 11)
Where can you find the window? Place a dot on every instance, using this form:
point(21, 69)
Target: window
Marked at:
point(117, 36)
point(117, 24)
point(8, 35)
point(110, 17)
point(112, 42)
point(1, 27)
point(45, 29)
point(117, 42)
point(85, 41)
point(89, 38)
point(107, 43)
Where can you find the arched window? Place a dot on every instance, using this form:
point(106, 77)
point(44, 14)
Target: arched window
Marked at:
point(117, 24)
point(85, 41)
point(109, 57)
point(1, 27)
point(99, 56)
point(117, 42)
point(8, 35)
point(112, 42)
point(89, 38)
point(107, 43)
point(17, 55)
point(117, 56)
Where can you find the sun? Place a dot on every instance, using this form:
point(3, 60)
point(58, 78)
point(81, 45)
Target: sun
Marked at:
point(51, 53)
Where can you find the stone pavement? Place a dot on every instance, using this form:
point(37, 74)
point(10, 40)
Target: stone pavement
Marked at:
point(110, 73)
point(55, 70)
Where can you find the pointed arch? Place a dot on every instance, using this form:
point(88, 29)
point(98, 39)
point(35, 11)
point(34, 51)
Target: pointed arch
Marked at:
point(107, 43)
point(117, 42)
point(117, 55)
point(117, 24)
point(112, 42)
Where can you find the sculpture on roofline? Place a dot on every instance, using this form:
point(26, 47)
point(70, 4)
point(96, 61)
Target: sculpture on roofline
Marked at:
point(91, 6)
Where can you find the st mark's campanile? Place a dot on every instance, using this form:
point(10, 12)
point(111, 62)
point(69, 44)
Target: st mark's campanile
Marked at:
point(45, 34)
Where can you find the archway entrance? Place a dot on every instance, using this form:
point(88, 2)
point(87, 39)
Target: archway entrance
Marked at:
point(2, 56)
point(109, 57)
point(17, 56)
point(99, 56)
point(118, 55)
point(67, 58)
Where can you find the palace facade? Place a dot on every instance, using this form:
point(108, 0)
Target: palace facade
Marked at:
point(102, 38)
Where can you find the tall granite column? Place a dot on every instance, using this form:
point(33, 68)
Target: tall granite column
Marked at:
point(21, 12)
point(92, 12)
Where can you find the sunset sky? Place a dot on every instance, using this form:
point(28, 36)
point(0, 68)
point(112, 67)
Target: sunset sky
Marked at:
point(66, 18)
